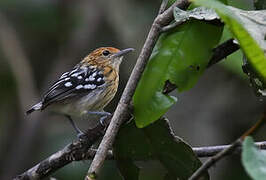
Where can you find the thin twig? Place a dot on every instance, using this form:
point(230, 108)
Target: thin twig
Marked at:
point(125, 100)
point(78, 152)
point(209, 151)
point(171, 26)
point(229, 150)
point(255, 127)
point(222, 51)
point(201, 152)
point(214, 159)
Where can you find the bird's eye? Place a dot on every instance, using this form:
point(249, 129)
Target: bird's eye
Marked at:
point(106, 52)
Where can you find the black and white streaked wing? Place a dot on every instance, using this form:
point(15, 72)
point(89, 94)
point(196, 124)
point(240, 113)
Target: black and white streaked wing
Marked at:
point(65, 77)
point(80, 80)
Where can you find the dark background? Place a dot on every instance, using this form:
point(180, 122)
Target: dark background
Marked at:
point(41, 39)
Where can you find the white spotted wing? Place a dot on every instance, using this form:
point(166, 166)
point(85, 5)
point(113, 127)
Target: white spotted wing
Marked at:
point(77, 82)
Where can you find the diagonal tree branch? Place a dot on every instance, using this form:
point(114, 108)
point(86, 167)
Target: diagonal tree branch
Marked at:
point(163, 6)
point(223, 50)
point(229, 150)
point(75, 151)
point(212, 160)
point(122, 108)
point(78, 151)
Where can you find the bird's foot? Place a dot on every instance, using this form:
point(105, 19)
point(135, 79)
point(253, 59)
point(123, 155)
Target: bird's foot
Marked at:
point(103, 119)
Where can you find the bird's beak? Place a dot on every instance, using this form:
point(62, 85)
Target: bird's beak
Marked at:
point(122, 52)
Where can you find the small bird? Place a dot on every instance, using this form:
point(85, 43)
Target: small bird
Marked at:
point(87, 88)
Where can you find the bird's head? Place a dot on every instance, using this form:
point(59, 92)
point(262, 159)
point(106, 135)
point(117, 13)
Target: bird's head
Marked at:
point(106, 56)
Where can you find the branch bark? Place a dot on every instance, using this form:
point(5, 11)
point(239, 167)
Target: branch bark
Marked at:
point(209, 151)
point(122, 108)
point(201, 152)
point(78, 151)
point(75, 151)
point(229, 150)
point(214, 159)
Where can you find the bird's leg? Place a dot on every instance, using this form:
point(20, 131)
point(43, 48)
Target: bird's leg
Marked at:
point(79, 132)
point(103, 115)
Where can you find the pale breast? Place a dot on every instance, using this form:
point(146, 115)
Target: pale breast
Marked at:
point(96, 100)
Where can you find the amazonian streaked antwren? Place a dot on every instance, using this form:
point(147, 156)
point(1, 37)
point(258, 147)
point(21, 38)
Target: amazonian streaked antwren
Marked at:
point(87, 88)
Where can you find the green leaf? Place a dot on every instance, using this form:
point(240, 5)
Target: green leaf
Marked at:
point(127, 138)
point(180, 56)
point(243, 26)
point(155, 142)
point(253, 160)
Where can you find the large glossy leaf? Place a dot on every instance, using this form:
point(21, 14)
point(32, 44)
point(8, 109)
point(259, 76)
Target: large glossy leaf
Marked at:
point(179, 56)
point(249, 28)
point(254, 160)
point(158, 143)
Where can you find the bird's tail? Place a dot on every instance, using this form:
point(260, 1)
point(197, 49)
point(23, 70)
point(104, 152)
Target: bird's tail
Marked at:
point(36, 107)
